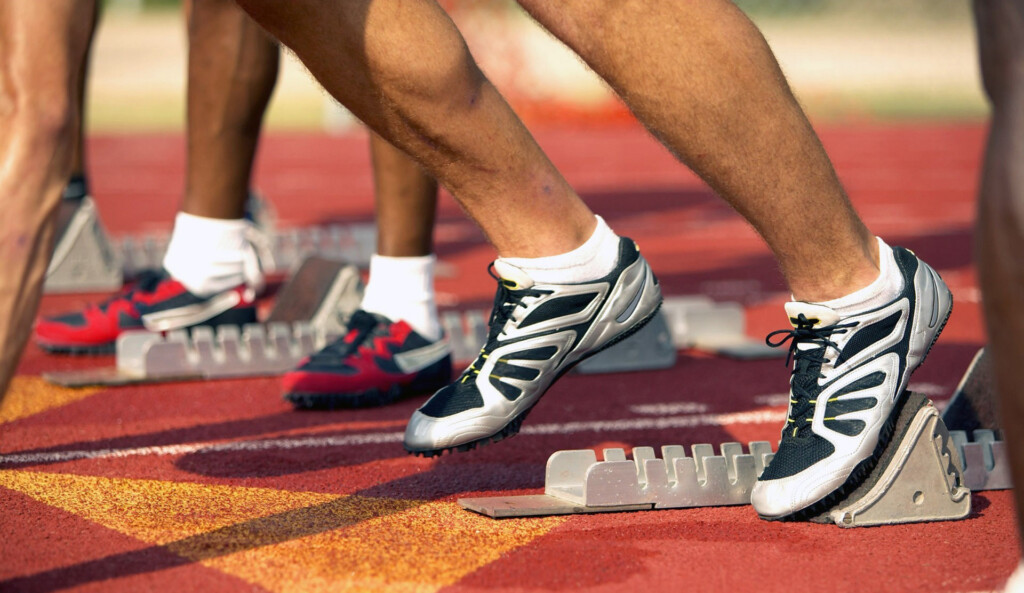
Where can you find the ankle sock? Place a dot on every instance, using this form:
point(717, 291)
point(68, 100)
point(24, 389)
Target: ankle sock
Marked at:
point(884, 289)
point(402, 288)
point(594, 259)
point(209, 255)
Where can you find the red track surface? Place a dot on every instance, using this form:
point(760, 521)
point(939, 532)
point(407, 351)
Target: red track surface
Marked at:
point(158, 510)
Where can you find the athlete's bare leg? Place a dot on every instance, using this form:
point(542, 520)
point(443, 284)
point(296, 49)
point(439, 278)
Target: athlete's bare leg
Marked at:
point(406, 202)
point(999, 235)
point(703, 80)
point(42, 45)
point(404, 70)
point(232, 69)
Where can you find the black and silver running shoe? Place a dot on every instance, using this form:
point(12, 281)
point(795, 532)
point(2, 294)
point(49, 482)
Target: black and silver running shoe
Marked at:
point(847, 387)
point(537, 333)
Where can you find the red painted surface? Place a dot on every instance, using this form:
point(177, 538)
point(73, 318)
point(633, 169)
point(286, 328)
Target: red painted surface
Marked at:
point(913, 184)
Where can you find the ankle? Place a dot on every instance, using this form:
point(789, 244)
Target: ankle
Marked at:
point(595, 258)
point(867, 287)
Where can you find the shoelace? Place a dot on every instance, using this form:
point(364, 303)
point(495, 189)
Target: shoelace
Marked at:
point(807, 365)
point(362, 324)
point(506, 301)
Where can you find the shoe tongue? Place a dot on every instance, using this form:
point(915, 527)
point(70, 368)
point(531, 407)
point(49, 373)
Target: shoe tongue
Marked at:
point(821, 315)
point(512, 274)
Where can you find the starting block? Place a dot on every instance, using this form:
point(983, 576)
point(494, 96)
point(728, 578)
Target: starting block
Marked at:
point(985, 462)
point(313, 308)
point(87, 259)
point(288, 248)
point(917, 479)
point(973, 405)
point(83, 258)
point(974, 410)
point(717, 327)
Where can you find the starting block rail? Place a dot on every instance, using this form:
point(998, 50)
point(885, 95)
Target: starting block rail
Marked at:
point(918, 479)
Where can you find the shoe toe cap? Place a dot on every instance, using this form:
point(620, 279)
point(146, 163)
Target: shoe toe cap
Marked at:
point(772, 499)
point(420, 433)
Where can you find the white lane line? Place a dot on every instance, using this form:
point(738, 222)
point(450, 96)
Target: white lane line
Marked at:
point(372, 438)
point(669, 409)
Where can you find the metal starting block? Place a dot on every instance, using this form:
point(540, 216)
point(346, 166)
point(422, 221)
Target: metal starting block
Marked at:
point(87, 259)
point(354, 243)
point(973, 405)
point(917, 479)
point(985, 462)
point(312, 308)
point(716, 327)
point(83, 259)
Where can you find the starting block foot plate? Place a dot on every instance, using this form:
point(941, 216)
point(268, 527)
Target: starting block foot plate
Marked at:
point(918, 477)
point(973, 405)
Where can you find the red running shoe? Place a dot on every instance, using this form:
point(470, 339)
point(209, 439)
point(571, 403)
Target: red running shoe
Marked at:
point(378, 362)
point(156, 302)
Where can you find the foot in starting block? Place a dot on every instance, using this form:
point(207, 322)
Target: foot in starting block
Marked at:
point(916, 479)
point(311, 308)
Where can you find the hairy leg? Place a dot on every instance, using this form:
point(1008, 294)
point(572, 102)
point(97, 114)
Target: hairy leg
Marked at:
point(406, 202)
point(403, 69)
point(42, 45)
point(999, 235)
point(232, 69)
point(701, 77)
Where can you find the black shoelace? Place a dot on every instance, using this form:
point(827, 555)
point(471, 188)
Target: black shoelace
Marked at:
point(806, 368)
point(506, 300)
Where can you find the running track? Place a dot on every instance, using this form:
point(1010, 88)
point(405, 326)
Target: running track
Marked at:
point(219, 486)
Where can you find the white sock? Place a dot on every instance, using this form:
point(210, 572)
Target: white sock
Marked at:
point(402, 288)
point(208, 255)
point(884, 289)
point(594, 259)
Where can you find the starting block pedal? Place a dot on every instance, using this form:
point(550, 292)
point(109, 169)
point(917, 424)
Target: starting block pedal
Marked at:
point(985, 462)
point(917, 479)
point(313, 308)
point(717, 327)
point(83, 259)
point(973, 405)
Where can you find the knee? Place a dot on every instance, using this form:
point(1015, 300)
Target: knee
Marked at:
point(41, 116)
